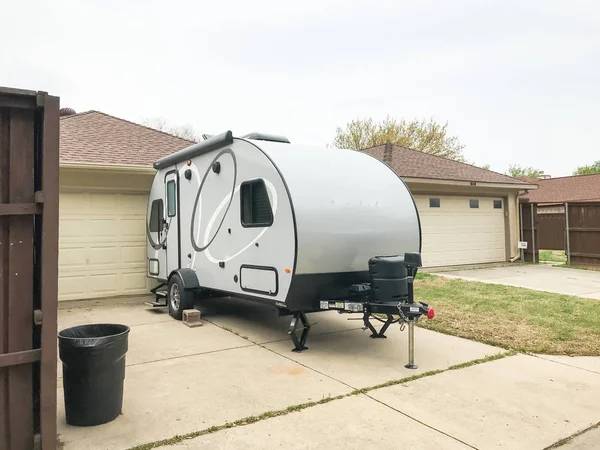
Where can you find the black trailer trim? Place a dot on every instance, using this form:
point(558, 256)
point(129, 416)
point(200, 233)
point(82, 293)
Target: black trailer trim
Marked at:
point(265, 268)
point(212, 143)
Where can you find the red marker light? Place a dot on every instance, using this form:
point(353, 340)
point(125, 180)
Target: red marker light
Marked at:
point(430, 313)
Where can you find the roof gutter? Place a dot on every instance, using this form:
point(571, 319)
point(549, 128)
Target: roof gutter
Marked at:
point(109, 167)
point(519, 186)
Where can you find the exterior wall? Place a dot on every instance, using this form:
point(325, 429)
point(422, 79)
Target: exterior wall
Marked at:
point(510, 199)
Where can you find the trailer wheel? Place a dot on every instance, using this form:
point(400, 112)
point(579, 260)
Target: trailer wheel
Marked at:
point(178, 298)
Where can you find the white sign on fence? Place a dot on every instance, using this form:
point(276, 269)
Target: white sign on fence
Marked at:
point(523, 244)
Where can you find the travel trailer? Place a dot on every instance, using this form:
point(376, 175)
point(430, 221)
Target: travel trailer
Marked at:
point(303, 228)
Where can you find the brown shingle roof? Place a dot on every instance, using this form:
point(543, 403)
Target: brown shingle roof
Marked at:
point(567, 189)
point(415, 164)
point(95, 137)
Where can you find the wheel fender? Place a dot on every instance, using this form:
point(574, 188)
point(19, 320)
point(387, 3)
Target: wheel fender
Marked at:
point(188, 278)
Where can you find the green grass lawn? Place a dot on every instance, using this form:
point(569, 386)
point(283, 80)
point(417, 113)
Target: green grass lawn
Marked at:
point(553, 256)
point(510, 317)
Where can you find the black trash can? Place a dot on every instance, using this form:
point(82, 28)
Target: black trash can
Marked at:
point(93, 358)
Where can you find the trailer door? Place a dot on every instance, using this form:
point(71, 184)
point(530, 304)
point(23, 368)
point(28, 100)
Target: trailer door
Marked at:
point(172, 239)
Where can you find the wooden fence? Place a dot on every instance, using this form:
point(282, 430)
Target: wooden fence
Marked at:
point(29, 131)
point(583, 233)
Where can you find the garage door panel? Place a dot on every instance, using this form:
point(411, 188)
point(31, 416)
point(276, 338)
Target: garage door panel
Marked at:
point(133, 205)
point(72, 257)
point(454, 233)
point(104, 282)
point(102, 245)
point(134, 254)
point(132, 227)
point(100, 228)
point(71, 228)
point(102, 256)
point(134, 282)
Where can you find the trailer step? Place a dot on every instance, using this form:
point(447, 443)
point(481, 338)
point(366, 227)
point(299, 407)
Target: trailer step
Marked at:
point(157, 303)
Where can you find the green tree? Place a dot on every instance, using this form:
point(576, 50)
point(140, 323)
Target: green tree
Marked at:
point(588, 170)
point(520, 171)
point(486, 167)
point(424, 135)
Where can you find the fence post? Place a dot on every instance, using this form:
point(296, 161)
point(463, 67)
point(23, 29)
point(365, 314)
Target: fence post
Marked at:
point(532, 235)
point(521, 226)
point(567, 230)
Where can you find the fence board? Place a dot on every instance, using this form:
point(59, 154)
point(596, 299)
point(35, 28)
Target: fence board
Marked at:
point(20, 276)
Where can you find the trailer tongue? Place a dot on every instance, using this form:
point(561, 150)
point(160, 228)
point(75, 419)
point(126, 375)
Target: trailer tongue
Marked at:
point(390, 293)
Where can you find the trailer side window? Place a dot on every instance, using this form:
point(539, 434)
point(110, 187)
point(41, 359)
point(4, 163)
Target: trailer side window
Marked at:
point(255, 206)
point(156, 215)
point(171, 203)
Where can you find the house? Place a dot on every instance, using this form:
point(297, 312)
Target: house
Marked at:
point(553, 193)
point(468, 215)
point(105, 176)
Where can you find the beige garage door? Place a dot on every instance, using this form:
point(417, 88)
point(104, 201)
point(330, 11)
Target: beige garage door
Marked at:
point(102, 245)
point(461, 230)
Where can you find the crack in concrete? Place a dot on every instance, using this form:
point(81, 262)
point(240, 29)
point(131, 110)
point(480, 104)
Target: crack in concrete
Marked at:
point(568, 439)
point(421, 422)
point(566, 364)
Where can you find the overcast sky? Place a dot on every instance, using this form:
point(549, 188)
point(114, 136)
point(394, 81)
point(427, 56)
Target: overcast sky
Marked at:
point(517, 81)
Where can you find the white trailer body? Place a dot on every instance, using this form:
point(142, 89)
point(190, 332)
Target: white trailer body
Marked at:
point(275, 222)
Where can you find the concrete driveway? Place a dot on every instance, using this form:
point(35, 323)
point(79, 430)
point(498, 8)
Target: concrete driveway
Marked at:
point(183, 381)
point(582, 283)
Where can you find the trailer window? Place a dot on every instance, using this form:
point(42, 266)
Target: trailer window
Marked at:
point(255, 206)
point(156, 215)
point(171, 202)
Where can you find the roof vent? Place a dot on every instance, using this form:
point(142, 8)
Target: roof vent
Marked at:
point(266, 137)
point(66, 112)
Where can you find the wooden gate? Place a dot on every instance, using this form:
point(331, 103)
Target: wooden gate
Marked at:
point(529, 232)
point(552, 231)
point(29, 131)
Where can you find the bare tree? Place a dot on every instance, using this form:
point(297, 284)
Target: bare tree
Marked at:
point(425, 135)
point(186, 131)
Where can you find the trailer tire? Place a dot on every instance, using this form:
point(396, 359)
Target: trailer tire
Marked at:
point(178, 298)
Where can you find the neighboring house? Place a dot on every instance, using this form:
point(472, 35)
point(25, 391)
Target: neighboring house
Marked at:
point(553, 193)
point(468, 215)
point(105, 176)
